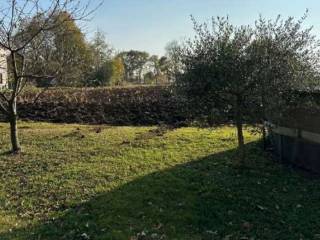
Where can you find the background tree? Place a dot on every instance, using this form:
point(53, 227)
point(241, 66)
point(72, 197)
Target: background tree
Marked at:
point(133, 63)
point(171, 64)
point(64, 51)
point(154, 74)
point(165, 67)
point(161, 71)
point(101, 53)
point(118, 71)
point(286, 57)
point(100, 48)
point(16, 40)
point(150, 78)
point(100, 76)
point(72, 53)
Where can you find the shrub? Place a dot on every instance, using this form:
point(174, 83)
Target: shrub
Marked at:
point(127, 105)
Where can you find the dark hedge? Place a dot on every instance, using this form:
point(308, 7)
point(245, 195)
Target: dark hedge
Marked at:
point(121, 106)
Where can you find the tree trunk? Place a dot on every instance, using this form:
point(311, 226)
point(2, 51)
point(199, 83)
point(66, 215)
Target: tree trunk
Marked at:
point(264, 136)
point(16, 148)
point(126, 76)
point(141, 80)
point(264, 130)
point(239, 125)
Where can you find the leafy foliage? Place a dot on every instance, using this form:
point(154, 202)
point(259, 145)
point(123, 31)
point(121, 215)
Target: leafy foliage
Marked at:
point(61, 52)
point(133, 63)
point(125, 105)
point(247, 72)
point(286, 55)
point(118, 72)
point(102, 66)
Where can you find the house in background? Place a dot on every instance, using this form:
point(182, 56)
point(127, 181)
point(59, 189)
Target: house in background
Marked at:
point(3, 68)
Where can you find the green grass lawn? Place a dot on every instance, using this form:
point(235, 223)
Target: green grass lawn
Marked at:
point(86, 182)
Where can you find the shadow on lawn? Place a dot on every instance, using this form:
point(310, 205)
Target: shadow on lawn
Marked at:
point(204, 199)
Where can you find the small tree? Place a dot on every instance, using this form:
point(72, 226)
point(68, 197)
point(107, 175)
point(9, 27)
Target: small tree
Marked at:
point(171, 63)
point(64, 50)
point(217, 71)
point(101, 53)
point(154, 72)
point(248, 74)
point(133, 63)
point(101, 48)
point(286, 56)
point(118, 71)
point(16, 40)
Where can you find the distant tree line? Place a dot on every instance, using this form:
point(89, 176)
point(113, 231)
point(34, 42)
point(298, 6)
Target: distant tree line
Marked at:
point(44, 46)
point(91, 63)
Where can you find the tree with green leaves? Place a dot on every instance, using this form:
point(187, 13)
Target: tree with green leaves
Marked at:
point(100, 48)
point(101, 53)
point(161, 70)
point(72, 53)
point(171, 63)
point(152, 71)
point(118, 72)
point(246, 73)
point(133, 63)
point(64, 51)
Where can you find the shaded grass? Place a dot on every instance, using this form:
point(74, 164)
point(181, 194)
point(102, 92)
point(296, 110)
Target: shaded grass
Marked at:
point(100, 182)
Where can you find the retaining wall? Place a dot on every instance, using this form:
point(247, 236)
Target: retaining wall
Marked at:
point(298, 147)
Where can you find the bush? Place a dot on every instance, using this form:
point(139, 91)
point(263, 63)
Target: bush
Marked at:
point(128, 105)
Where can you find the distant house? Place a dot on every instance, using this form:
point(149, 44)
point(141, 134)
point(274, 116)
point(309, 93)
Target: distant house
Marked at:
point(3, 68)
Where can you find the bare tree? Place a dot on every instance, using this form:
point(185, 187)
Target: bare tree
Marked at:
point(16, 39)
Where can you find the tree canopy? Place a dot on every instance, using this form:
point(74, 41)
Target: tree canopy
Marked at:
point(241, 73)
point(133, 63)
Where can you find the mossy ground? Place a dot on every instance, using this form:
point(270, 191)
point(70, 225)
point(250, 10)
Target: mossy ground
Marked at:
point(103, 182)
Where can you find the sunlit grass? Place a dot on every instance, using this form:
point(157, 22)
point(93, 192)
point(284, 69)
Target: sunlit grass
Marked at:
point(103, 182)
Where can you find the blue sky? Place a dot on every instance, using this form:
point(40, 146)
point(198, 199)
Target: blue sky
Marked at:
point(150, 24)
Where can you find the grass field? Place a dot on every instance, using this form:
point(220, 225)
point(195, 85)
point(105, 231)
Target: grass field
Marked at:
point(87, 182)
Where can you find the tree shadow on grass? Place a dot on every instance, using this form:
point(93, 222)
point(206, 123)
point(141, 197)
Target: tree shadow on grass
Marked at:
point(204, 199)
point(6, 153)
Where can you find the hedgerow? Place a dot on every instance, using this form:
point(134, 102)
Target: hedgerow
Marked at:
point(127, 105)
